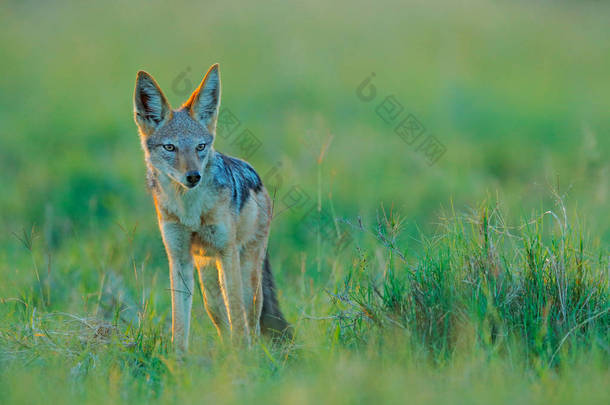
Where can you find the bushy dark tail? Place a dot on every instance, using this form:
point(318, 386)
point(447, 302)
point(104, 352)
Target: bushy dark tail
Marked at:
point(273, 323)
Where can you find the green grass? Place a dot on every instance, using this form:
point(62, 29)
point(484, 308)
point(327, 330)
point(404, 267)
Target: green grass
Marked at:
point(487, 312)
point(482, 282)
point(437, 297)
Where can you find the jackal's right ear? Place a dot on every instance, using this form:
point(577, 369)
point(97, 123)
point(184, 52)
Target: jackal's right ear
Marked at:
point(149, 103)
point(205, 100)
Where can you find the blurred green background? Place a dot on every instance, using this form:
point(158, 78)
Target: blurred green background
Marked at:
point(517, 93)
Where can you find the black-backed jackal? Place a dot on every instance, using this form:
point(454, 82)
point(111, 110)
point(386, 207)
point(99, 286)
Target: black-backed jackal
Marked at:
point(214, 214)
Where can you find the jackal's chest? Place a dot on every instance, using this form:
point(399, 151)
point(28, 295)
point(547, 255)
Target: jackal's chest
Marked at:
point(189, 207)
point(211, 239)
point(188, 210)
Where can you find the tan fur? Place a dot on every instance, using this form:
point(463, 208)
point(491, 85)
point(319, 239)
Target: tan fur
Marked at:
point(200, 227)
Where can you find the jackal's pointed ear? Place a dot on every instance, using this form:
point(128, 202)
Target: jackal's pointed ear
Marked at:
point(150, 105)
point(204, 102)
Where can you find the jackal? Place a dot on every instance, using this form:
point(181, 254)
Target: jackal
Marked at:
point(214, 215)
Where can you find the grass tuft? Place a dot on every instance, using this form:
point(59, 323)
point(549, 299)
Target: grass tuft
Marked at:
point(539, 287)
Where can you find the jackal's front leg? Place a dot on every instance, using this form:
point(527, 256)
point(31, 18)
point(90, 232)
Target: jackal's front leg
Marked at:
point(229, 274)
point(177, 242)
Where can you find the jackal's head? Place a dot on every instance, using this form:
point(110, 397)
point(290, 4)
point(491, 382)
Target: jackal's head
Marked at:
point(177, 143)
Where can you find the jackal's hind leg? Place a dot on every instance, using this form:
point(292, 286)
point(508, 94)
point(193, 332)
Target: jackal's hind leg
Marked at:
point(212, 294)
point(229, 275)
point(251, 259)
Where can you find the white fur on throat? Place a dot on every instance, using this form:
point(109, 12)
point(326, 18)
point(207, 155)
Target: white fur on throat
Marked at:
point(187, 204)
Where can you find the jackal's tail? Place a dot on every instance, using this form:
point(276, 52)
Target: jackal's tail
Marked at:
point(273, 323)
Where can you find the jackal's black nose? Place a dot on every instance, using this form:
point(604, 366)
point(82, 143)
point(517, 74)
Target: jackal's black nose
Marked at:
point(193, 178)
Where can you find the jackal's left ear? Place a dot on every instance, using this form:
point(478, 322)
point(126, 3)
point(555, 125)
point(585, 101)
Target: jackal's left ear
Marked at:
point(204, 102)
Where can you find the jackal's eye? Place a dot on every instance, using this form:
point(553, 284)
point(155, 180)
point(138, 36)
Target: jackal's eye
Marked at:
point(200, 147)
point(169, 147)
